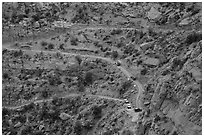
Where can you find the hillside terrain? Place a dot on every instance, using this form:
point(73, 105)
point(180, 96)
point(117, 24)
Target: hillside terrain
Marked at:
point(98, 68)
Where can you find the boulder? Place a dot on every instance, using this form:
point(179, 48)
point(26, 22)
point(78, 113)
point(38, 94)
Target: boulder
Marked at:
point(185, 21)
point(153, 13)
point(151, 61)
point(18, 124)
point(64, 116)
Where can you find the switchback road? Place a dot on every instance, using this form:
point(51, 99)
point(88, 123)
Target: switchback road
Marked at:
point(128, 74)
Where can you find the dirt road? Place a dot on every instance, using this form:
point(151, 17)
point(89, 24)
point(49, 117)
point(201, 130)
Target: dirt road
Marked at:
point(128, 74)
point(66, 96)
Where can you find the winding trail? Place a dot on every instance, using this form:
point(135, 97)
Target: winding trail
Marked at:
point(67, 96)
point(122, 69)
point(54, 52)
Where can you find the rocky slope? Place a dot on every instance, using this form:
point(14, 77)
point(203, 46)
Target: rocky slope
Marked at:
point(58, 92)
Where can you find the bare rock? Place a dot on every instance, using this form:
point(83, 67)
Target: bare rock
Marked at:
point(18, 124)
point(64, 116)
point(153, 13)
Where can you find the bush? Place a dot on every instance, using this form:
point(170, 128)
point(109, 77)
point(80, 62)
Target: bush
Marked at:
point(57, 101)
point(43, 43)
point(54, 80)
point(18, 53)
point(5, 111)
point(88, 80)
point(127, 132)
point(45, 94)
point(194, 37)
point(74, 41)
point(78, 59)
point(4, 51)
point(27, 130)
point(61, 47)
point(78, 128)
point(28, 107)
point(97, 112)
point(16, 44)
point(114, 54)
point(117, 31)
point(51, 46)
point(125, 86)
point(5, 76)
point(80, 84)
point(144, 71)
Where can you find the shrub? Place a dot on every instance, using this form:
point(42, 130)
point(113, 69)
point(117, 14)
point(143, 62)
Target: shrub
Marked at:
point(88, 80)
point(121, 44)
point(51, 46)
point(144, 71)
point(16, 44)
point(127, 132)
point(54, 80)
point(151, 32)
point(5, 111)
point(194, 37)
point(43, 43)
point(29, 107)
point(44, 94)
point(61, 47)
point(139, 62)
point(114, 54)
point(78, 128)
point(18, 53)
point(78, 59)
point(5, 76)
point(4, 51)
point(27, 130)
point(74, 41)
point(117, 31)
point(97, 112)
point(125, 86)
point(57, 101)
point(80, 84)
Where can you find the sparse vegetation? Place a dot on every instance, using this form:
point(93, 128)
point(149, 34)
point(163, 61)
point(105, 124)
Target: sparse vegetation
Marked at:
point(101, 68)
